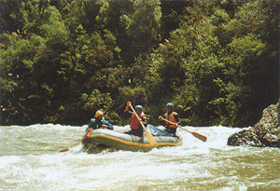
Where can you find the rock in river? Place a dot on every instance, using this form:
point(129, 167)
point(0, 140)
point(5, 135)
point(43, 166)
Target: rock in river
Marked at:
point(266, 133)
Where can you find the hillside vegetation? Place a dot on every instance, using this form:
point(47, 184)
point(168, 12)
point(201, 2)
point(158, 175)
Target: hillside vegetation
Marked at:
point(61, 60)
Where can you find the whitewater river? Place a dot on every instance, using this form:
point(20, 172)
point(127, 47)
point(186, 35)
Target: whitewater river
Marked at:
point(30, 160)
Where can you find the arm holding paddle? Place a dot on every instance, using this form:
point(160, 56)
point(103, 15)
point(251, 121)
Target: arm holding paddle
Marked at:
point(128, 107)
point(197, 135)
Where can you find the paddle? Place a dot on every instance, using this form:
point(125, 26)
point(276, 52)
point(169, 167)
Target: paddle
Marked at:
point(149, 136)
point(64, 150)
point(197, 135)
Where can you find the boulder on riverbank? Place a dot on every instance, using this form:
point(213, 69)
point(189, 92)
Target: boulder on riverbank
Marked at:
point(266, 133)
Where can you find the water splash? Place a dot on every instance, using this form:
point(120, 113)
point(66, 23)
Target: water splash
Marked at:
point(30, 160)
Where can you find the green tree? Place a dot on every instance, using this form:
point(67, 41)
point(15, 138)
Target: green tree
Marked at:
point(143, 27)
point(217, 61)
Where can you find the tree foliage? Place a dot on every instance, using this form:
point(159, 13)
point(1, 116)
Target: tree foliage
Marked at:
point(217, 61)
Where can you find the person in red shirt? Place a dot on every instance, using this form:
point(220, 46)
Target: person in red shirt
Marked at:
point(135, 126)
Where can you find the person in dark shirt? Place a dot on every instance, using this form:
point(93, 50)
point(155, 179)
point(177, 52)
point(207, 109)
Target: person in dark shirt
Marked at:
point(99, 122)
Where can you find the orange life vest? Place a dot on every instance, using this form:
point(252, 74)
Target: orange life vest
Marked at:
point(134, 123)
point(170, 117)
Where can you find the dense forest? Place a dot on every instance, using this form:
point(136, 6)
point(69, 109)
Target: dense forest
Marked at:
point(61, 60)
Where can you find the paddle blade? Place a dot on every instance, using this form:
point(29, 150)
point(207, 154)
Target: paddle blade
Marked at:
point(199, 136)
point(150, 138)
point(64, 150)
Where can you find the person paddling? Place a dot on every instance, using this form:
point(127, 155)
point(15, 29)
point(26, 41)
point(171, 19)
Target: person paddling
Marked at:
point(99, 122)
point(136, 127)
point(171, 116)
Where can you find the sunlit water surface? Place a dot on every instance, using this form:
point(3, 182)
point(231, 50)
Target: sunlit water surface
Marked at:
point(30, 160)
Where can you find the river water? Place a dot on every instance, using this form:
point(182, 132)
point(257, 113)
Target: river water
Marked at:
point(30, 160)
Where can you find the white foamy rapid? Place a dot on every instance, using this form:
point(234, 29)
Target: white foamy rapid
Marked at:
point(30, 160)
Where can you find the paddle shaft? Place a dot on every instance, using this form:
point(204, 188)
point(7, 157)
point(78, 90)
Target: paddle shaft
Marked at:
point(149, 136)
point(67, 149)
point(195, 134)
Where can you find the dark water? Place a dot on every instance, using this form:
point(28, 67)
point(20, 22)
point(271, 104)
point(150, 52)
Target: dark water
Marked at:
point(30, 160)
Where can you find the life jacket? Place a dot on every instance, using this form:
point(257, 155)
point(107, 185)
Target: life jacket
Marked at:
point(170, 117)
point(134, 123)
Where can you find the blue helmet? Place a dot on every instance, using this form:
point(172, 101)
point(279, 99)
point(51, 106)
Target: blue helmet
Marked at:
point(170, 105)
point(138, 107)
